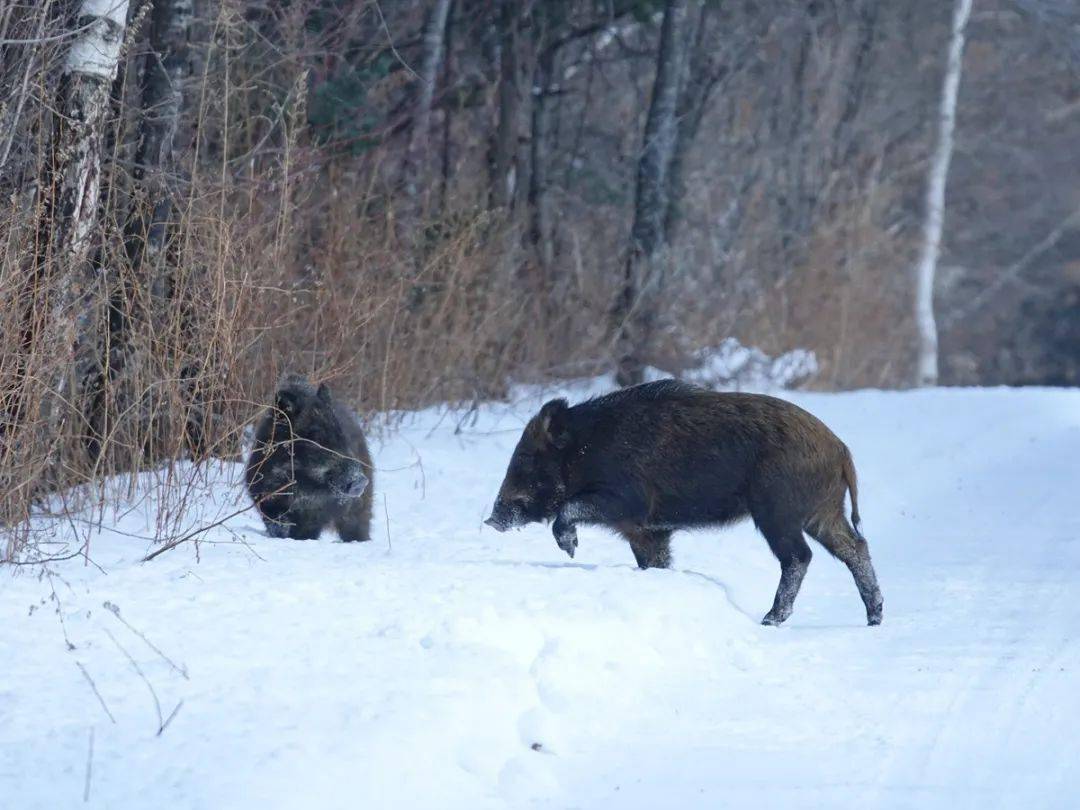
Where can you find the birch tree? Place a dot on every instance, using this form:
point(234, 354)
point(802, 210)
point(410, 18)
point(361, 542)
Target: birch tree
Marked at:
point(89, 71)
point(72, 205)
point(934, 222)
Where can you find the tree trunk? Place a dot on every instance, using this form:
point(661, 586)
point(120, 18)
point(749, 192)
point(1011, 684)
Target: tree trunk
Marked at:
point(503, 158)
point(445, 150)
point(417, 152)
point(933, 225)
point(699, 78)
point(846, 89)
point(149, 294)
point(71, 209)
point(635, 309)
point(540, 226)
point(157, 157)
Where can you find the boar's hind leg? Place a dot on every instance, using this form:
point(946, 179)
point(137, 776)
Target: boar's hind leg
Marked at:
point(306, 523)
point(847, 545)
point(651, 547)
point(791, 549)
point(353, 523)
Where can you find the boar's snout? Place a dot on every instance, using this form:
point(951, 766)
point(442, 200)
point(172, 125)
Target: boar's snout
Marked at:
point(506, 515)
point(348, 481)
point(356, 485)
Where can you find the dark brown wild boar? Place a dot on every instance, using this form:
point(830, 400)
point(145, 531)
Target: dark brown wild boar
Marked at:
point(662, 456)
point(310, 467)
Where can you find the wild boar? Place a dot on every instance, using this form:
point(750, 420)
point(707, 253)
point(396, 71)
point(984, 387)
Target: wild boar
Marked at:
point(648, 460)
point(310, 466)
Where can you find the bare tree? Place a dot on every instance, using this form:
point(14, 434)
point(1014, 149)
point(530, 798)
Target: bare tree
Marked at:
point(157, 159)
point(634, 312)
point(503, 158)
point(417, 152)
point(1057, 20)
point(540, 234)
point(553, 31)
point(71, 209)
point(933, 225)
point(704, 67)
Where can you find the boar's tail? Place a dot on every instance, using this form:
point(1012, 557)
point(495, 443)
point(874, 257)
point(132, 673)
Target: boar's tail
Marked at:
point(848, 474)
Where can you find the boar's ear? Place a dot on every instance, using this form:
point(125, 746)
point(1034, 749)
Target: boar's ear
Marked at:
point(324, 393)
point(554, 423)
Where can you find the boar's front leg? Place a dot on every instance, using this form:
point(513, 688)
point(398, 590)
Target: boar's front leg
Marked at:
point(595, 507)
point(565, 534)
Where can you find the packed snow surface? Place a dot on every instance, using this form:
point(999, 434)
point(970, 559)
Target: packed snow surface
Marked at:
point(443, 665)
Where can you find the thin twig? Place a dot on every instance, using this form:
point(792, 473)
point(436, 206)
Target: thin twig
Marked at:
point(23, 91)
point(162, 723)
point(139, 672)
point(386, 514)
point(115, 611)
point(390, 40)
point(59, 609)
point(169, 719)
point(97, 694)
point(89, 767)
point(1012, 273)
point(45, 560)
point(192, 535)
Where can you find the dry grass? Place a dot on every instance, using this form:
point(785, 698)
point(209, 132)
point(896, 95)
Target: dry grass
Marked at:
point(284, 252)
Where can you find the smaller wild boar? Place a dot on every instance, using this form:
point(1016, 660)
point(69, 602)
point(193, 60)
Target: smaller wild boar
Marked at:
point(310, 466)
point(662, 456)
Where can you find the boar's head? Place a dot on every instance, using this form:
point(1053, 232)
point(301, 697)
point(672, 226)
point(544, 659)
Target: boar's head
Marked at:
point(534, 486)
point(321, 451)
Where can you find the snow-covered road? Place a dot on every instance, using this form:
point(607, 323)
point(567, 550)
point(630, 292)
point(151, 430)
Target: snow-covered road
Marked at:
point(455, 667)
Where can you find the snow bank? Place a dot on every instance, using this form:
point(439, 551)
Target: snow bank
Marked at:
point(732, 366)
point(446, 665)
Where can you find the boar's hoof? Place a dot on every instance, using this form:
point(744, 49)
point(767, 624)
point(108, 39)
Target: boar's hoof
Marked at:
point(567, 540)
point(773, 620)
point(278, 528)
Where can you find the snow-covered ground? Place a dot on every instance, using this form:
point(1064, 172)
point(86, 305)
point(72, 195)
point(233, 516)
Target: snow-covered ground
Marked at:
point(443, 665)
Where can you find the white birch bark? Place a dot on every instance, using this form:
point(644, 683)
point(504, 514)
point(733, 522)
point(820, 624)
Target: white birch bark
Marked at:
point(926, 323)
point(89, 70)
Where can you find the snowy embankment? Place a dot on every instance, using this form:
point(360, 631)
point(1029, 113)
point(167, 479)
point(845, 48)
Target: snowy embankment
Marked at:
point(451, 666)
